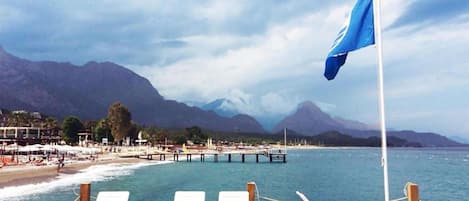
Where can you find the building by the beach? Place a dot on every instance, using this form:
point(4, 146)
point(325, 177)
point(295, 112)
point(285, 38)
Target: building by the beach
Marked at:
point(29, 135)
point(23, 127)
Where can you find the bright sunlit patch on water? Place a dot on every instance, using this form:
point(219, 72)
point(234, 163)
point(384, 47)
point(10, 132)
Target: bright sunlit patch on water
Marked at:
point(91, 174)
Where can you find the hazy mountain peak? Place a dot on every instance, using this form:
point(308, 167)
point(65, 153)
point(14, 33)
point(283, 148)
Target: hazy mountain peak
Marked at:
point(309, 106)
point(308, 119)
point(221, 106)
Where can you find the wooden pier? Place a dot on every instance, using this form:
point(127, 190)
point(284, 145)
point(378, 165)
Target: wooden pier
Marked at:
point(217, 156)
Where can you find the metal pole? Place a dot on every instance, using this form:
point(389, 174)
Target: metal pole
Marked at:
point(285, 139)
point(384, 160)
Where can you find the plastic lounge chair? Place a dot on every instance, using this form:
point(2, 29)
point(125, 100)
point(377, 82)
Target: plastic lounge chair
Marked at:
point(113, 196)
point(233, 196)
point(189, 196)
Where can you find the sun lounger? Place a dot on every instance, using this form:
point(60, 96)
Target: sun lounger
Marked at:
point(233, 196)
point(113, 196)
point(189, 196)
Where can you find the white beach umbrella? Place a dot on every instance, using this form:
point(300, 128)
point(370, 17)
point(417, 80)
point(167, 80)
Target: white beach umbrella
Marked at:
point(47, 148)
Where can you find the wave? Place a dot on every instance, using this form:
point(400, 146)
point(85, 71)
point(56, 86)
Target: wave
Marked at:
point(91, 174)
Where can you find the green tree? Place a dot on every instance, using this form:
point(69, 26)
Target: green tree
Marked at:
point(133, 131)
point(155, 135)
point(102, 130)
point(51, 123)
point(90, 125)
point(19, 119)
point(71, 126)
point(196, 135)
point(180, 139)
point(119, 119)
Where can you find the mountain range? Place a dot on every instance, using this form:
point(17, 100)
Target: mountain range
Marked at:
point(62, 89)
point(317, 121)
point(233, 105)
point(309, 120)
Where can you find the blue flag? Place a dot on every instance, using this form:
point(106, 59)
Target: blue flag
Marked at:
point(357, 32)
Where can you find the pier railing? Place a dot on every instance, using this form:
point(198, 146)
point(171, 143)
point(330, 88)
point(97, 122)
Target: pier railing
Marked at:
point(411, 191)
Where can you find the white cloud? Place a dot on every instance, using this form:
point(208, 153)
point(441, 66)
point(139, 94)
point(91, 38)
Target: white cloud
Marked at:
point(284, 52)
point(219, 11)
point(277, 104)
point(243, 102)
point(269, 55)
point(326, 107)
point(433, 61)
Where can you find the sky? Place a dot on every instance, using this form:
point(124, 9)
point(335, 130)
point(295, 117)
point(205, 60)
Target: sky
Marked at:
point(269, 54)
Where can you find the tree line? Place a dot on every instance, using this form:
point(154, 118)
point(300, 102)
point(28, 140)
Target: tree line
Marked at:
point(118, 125)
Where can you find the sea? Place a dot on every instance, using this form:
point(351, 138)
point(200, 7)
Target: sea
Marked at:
point(335, 174)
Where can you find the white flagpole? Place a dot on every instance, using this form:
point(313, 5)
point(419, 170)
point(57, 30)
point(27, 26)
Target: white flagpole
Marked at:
point(384, 160)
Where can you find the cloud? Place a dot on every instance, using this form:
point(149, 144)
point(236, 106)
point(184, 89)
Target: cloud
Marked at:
point(426, 12)
point(278, 104)
point(283, 53)
point(123, 32)
point(268, 54)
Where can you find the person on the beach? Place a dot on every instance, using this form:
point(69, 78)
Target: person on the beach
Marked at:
point(60, 165)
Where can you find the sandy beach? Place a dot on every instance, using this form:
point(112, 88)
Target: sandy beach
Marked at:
point(28, 174)
point(22, 175)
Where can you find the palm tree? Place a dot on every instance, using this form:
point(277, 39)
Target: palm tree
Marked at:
point(51, 123)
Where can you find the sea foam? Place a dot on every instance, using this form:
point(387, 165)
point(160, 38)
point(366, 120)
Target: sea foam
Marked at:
point(92, 174)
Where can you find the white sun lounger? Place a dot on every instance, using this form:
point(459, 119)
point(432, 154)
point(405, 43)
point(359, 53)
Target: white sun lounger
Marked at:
point(233, 196)
point(113, 196)
point(189, 196)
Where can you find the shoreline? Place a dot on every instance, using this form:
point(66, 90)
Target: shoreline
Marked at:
point(12, 176)
point(25, 175)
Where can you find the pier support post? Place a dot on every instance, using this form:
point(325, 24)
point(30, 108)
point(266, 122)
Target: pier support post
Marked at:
point(242, 157)
point(215, 158)
point(251, 187)
point(284, 158)
point(412, 192)
point(229, 158)
point(270, 158)
point(85, 190)
point(202, 159)
point(257, 158)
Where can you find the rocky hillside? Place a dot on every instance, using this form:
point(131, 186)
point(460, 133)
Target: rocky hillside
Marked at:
point(310, 120)
point(62, 89)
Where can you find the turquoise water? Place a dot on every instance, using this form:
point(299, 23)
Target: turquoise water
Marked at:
point(325, 174)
